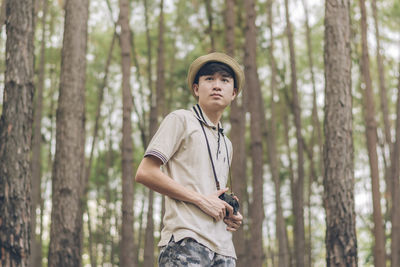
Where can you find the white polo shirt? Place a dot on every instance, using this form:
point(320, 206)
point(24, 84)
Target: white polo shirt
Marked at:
point(180, 144)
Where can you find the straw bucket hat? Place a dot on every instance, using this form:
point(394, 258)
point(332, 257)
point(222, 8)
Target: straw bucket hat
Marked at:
point(215, 57)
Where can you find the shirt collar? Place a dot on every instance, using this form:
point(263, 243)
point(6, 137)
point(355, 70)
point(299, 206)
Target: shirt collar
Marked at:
point(202, 117)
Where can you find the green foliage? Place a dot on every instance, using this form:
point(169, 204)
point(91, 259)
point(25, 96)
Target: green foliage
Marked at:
point(186, 38)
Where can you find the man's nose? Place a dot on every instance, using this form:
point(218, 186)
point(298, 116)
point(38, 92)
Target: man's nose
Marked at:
point(217, 84)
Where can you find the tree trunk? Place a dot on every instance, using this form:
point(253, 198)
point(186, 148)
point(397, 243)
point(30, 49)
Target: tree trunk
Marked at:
point(142, 122)
point(270, 253)
point(3, 14)
point(110, 197)
point(107, 238)
point(297, 198)
point(315, 132)
point(371, 136)
point(273, 156)
point(291, 171)
point(255, 97)
point(154, 112)
point(395, 246)
point(237, 136)
point(387, 144)
point(149, 233)
point(210, 30)
point(91, 243)
point(54, 79)
point(160, 83)
point(149, 55)
point(127, 247)
point(341, 240)
point(140, 220)
point(141, 116)
point(36, 163)
point(230, 19)
point(68, 171)
point(15, 136)
point(85, 185)
point(100, 98)
point(115, 260)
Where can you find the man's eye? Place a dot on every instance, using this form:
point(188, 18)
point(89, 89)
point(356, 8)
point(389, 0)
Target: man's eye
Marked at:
point(209, 78)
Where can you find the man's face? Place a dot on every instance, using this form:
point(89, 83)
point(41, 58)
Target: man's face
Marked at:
point(215, 91)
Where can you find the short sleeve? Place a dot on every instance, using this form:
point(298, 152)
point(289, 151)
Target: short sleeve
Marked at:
point(167, 139)
point(231, 152)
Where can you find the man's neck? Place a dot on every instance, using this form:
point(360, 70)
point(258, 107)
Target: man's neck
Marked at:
point(214, 116)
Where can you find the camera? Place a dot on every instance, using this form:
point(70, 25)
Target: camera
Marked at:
point(228, 198)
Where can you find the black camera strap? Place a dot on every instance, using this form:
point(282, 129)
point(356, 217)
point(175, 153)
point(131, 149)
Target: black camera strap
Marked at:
point(212, 162)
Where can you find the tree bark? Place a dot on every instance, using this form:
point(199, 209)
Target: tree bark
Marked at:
point(68, 171)
point(15, 136)
point(255, 97)
point(85, 186)
point(237, 136)
point(156, 110)
point(154, 114)
point(270, 253)
point(273, 155)
point(160, 82)
point(91, 243)
point(395, 246)
point(298, 197)
point(341, 240)
point(387, 144)
point(382, 83)
point(316, 131)
point(127, 247)
point(149, 233)
point(149, 58)
point(36, 163)
point(3, 14)
point(210, 30)
point(140, 220)
point(290, 167)
point(371, 136)
point(106, 218)
point(100, 98)
point(109, 197)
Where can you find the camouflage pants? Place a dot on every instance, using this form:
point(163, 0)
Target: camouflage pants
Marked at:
point(188, 252)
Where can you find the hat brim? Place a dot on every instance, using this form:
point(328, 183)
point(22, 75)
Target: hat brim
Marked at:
point(215, 57)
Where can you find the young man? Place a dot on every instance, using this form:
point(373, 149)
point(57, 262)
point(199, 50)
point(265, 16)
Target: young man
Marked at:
point(196, 156)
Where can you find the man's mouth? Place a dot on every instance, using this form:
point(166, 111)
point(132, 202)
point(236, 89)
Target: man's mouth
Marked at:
point(216, 95)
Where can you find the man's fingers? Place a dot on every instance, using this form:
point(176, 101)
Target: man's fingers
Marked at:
point(221, 191)
point(231, 226)
point(232, 223)
point(221, 213)
point(229, 208)
point(237, 217)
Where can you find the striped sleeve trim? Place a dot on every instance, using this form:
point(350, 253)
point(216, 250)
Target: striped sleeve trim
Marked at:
point(156, 154)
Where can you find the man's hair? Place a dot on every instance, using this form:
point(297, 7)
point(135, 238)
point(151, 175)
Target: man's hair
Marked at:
point(210, 68)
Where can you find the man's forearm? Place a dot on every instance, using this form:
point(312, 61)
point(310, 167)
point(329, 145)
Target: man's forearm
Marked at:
point(150, 175)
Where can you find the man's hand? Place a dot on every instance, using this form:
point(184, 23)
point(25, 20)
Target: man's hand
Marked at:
point(233, 222)
point(214, 206)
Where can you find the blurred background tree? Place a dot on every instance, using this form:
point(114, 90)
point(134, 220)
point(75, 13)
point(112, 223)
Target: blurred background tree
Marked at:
point(276, 124)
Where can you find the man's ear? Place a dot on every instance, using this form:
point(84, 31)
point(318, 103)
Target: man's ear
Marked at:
point(195, 88)
point(234, 93)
